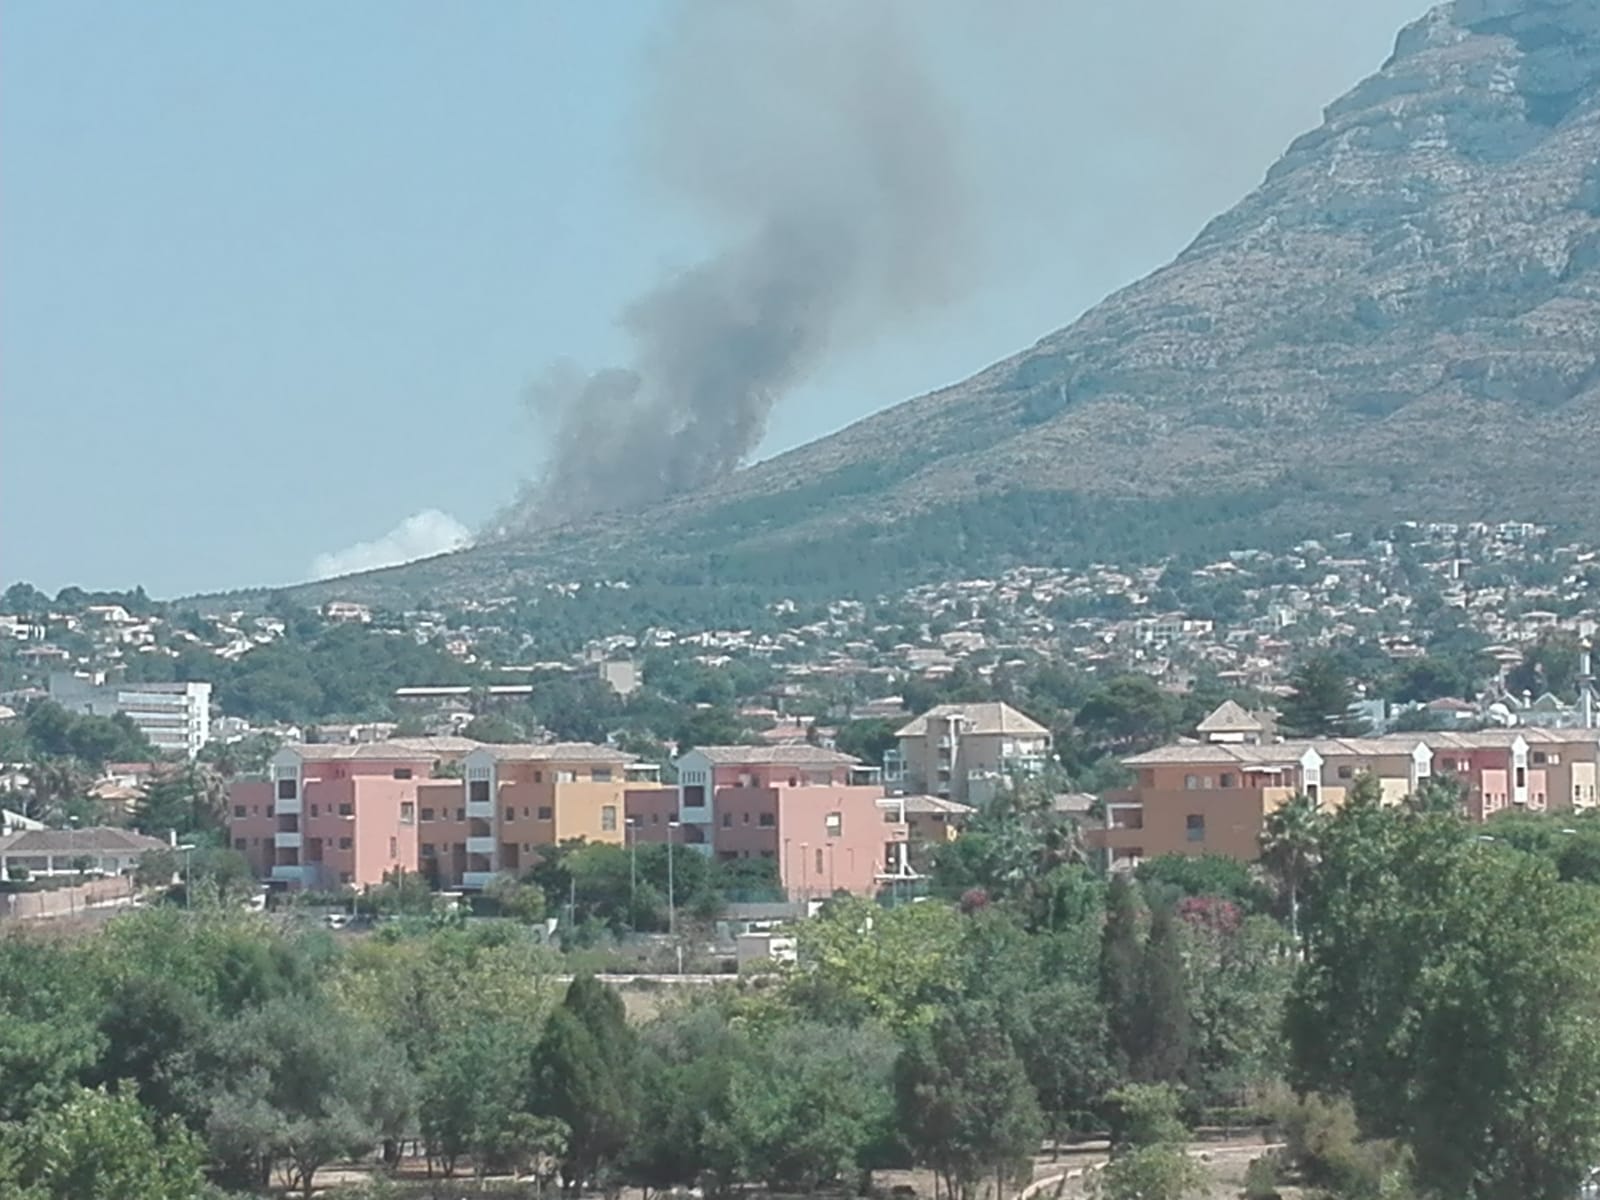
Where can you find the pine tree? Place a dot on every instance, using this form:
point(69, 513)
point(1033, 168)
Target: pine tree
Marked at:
point(1121, 958)
point(586, 1077)
point(1319, 705)
point(1161, 1053)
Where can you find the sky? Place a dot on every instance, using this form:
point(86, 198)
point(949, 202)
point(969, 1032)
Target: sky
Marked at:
point(276, 278)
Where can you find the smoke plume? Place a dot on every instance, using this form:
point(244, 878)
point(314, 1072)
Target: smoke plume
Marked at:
point(810, 134)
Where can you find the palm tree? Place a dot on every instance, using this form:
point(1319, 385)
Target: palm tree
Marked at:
point(55, 783)
point(1291, 839)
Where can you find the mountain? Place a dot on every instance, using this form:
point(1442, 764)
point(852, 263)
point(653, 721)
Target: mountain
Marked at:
point(1402, 321)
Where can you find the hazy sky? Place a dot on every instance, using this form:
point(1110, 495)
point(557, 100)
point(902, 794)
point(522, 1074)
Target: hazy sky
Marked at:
point(276, 276)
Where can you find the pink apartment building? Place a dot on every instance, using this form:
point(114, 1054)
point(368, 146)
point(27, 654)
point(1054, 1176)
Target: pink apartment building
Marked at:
point(818, 814)
point(332, 816)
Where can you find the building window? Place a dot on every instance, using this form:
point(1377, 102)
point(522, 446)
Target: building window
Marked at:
point(727, 820)
point(608, 818)
point(402, 772)
point(566, 777)
point(544, 812)
point(601, 774)
point(408, 813)
point(746, 818)
point(766, 820)
point(239, 843)
point(538, 776)
point(345, 810)
point(1195, 827)
point(478, 791)
point(819, 863)
point(1191, 782)
point(461, 814)
point(394, 848)
point(427, 814)
point(511, 814)
point(526, 811)
point(1311, 791)
point(426, 850)
point(1538, 758)
point(766, 854)
point(1522, 777)
point(1225, 781)
point(269, 810)
point(833, 824)
point(344, 876)
point(313, 810)
point(287, 789)
point(1346, 772)
point(345, 843)
point(238, 810)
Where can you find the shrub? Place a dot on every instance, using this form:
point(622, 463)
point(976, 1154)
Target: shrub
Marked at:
point(1263, 1177)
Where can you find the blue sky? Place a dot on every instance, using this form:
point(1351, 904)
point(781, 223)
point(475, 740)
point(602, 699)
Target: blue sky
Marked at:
point(276, 275)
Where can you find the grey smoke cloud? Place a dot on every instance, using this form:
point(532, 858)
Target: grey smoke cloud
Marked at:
point(811, 135)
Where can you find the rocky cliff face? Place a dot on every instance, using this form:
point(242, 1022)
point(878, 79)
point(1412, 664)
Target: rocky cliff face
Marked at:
point(1403, 320)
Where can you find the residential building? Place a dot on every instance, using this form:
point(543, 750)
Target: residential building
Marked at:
point(99, 850)
point(818, 814)
point(1212, 798)
point(523, 797)
point(350, 814)
point(329, 816)
point(965, 752)
point(176, 717)
point(1229, 722)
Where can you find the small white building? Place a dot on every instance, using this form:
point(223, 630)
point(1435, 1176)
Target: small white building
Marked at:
point(100, 850)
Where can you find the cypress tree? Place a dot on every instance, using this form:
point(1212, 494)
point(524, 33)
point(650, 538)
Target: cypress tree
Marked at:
point(1161, 1054)
point(1121, 964)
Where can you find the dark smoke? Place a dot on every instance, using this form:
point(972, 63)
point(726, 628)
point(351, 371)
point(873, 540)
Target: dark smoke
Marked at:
point(811, 133)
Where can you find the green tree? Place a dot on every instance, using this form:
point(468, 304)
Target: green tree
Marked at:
point(1128, 713)
point(1161, 1006)
point(1291, 838)
point(867, 739)
point(803, 1109)
point(587, 1077)
point(899, 966)
point(100, 1146)
point(1148, 1159)
point(494, 727)
point(303, 1084)
point(964, 1104)
point(1121, 964)
point(1177, 876)
point(1319, 704)
point(472, 1090)
point(1438, 794)
point(1448, 990)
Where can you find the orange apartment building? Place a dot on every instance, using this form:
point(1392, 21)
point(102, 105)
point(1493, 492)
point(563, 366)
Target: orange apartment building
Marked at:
point(1213, 797)
point(820, 815)
point(348, 815)
point(522, 797)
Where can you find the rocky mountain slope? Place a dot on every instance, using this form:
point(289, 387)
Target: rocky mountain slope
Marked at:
point(1402, 321)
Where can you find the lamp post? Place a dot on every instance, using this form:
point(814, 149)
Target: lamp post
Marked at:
point(805, 873)
point(188, 875)
point(72, 865)
point(631, 832)
point(672, 901)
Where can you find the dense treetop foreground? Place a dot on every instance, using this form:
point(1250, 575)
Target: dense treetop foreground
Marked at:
point(1435, 1032)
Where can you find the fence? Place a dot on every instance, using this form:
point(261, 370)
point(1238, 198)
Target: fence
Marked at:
point(61, 902)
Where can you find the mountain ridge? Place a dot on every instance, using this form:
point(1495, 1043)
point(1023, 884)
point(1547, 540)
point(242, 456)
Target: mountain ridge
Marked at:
point(1401, 321)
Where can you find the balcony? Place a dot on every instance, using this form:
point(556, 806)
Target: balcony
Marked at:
point(480, 845)
point(291, 874)
point(288, 806)
point(286, 841)
point(482, 810)
point(476, 880)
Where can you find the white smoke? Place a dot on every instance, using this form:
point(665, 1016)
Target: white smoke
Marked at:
point(420, 535)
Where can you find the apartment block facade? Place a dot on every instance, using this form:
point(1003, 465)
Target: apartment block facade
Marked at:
point(1213, 798)
point(349, 815)
point(966, 752)
point(176, 717)
point(522, 797)
point(819, 815)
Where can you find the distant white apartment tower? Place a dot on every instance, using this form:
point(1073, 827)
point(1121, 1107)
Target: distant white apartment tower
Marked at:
point(176, 717)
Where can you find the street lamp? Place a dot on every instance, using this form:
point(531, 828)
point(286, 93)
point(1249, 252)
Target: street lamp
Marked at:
point(631, 833)
point(188, 874)
point(672, 901)
point(805, 872)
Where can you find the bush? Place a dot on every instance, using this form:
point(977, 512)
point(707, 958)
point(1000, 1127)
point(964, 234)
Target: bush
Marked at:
point(1149, 1173)
point(1323, 1139)
point(1145, 1114)
point(1262, 1177)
